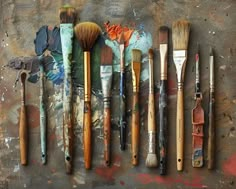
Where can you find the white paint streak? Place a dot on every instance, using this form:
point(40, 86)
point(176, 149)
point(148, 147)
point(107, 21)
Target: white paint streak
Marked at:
point(223, 67)
point(2, 98)
point(16, 168)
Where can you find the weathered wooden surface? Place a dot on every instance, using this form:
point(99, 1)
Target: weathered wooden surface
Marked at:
point(213, 23)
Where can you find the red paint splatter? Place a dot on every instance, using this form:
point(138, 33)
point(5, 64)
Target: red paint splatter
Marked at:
point(229, 166)
point(114, 32)
point(52, 137)
point(122, 183)
point(108, 172)
point(144, 178)
point(172, 87)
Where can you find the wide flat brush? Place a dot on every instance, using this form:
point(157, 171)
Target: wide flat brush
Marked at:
point(180, 37)
point(163, 40)
point(122, 101)
point(211, 115)
point(87, 33)
point(106, 80)
point(151, 160)
point(23, 133)
point(136, 68)
point(67, 19)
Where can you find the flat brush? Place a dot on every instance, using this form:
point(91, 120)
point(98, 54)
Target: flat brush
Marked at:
point(180, 37)
point(87, 33)
point(151, 160)
point(43, 136)
point(23, 133)
point(122, 121)
point(163, 40)
point(211, 115)
point(67, 19)
point(106, 80)
point(136, 68)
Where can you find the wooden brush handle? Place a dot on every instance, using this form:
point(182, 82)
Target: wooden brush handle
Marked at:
point(23, 136)
point(87, 129)
point(180, 129)
point(211, 132)
point(151, 114)
point(163, 126)
point(135, 129)
point(107, 135)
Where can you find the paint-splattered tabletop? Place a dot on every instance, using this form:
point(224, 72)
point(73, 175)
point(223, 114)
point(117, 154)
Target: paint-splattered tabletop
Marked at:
point(212, 24)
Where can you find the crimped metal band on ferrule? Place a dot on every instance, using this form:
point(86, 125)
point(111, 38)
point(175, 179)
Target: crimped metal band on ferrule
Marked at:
point(152, 142)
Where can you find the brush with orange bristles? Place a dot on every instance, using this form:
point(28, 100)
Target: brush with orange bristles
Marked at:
point(180, 37)
point(87, 33)
point(67, 19)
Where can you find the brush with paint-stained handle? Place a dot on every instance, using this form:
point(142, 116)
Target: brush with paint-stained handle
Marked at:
point(180, 37)
point(67, 19)
point(87, 33)
point(136, 68)
point(163, 40)
point(43, 119)
point(151, 160)
point(23, 133)
point(106, 80)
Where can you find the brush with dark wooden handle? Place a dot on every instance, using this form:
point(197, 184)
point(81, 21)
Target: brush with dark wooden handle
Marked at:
point(106, 80)
point(67, 19)
point(180, 37)
point(136, 68)
point(163, 40)
point(87, 33)
point(122, 121)
point(23, 133)
point(211, 128)
point(151, 160)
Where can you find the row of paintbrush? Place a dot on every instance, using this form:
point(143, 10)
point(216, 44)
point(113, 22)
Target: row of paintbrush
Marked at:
point(87, 33)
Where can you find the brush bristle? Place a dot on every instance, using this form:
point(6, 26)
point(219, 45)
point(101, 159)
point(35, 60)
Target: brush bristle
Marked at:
point(87, 33)
point(180, 34)
point(150, 53)
point(163, 35)
point(136, 55)
point(67, 14)
point(106, 55)
point(151, 160)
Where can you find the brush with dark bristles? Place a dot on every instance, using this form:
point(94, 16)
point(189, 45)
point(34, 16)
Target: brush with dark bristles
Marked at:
point(136, 68)
point(122, 119)
point(106, 80)
point(151, 160)
point(180, 37)
point(211, 115)
point(163, 40)
point(87, 33)
point(67, 19)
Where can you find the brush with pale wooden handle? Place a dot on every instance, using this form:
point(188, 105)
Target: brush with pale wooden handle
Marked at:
point(23, 133)
point(136, 68)
point(180, 37)
point(87, 33)
point(67, 19)
point(151, 160)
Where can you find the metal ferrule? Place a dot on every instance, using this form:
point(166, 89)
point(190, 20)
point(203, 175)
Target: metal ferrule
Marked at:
point(134, 78)
point(180, 58)
point(180, 86)
point(151, 90)
point(106, 80)
point(163, 56)
point(197, 70)
point(151, 142)
point(212, 87)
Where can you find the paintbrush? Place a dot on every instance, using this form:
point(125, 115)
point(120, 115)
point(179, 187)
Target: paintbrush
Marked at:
point(136, 68)
point(67, 19)
point(163, 40)
point(122, 120)
point(211, 115)
point(151, 160)
point(87, 33)
point(23, 133)
point(106, 80)
point(43, 118)
point(180, 37)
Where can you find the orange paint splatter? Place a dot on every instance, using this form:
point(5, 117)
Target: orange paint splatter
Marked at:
point(114, 32)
